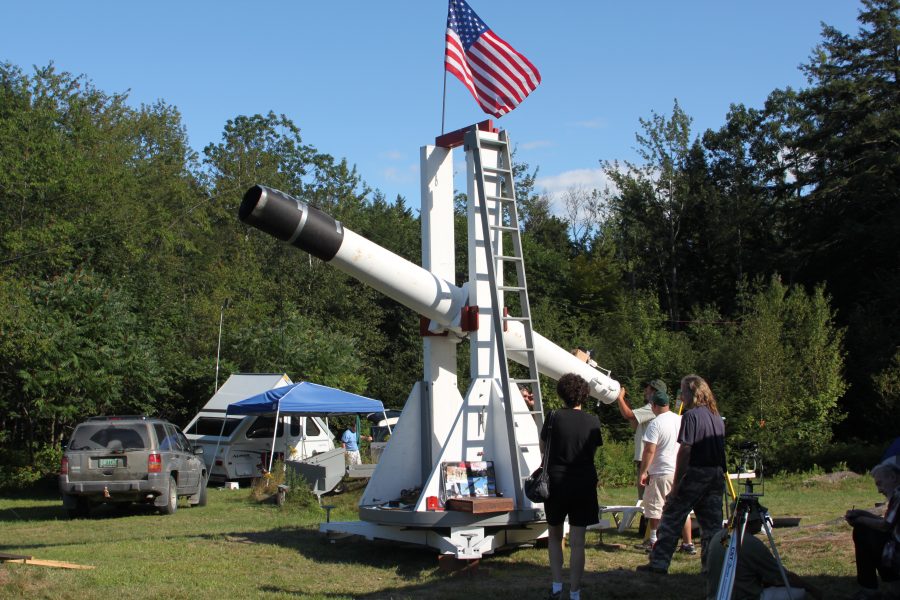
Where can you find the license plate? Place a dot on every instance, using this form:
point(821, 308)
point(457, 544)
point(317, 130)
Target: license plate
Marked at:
point(109, 462)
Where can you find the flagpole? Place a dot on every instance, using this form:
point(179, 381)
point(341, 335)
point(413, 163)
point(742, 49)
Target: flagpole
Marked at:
point(444, 94)
point(444, 101)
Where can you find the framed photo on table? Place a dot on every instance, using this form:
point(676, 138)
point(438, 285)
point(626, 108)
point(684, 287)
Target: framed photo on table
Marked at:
point(468, 479)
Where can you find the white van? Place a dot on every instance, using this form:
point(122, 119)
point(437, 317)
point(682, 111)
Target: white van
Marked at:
point(245, 442)
point(381, 431)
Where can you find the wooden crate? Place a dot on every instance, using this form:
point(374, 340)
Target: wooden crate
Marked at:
point(480, 505)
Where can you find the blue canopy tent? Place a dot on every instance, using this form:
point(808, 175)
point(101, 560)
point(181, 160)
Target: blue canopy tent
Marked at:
point(306, 398)
point(310, 399)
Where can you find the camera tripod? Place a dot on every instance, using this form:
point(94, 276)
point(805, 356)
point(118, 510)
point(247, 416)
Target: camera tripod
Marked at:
point(747, 505)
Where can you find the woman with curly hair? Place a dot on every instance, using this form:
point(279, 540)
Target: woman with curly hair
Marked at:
point(699, 475)
point(571, 437)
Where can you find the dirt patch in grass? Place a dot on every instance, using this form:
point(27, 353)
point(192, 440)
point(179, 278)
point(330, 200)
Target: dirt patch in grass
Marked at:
point(836, 477)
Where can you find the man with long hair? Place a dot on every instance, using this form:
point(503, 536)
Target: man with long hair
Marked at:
point(699, 475)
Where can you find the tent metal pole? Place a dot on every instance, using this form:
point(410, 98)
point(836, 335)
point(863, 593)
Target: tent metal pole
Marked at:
point(274, 435)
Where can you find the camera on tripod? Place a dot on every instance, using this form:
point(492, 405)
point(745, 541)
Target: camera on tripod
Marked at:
point(750, 469)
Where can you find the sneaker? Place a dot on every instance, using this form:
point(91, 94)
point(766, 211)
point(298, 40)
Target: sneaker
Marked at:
point(646, 546)
point(688, 549)
point(554, 595)
point(651, 569)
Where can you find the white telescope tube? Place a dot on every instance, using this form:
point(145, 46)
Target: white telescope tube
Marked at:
point(554, 362)
point(407, 283)
point(310, 229)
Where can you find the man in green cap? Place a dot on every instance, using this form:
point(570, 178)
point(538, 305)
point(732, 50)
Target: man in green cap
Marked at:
point(639, 418)
point(658, 467)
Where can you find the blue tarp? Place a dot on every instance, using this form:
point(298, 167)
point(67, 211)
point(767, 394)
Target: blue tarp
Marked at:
point(305, 398)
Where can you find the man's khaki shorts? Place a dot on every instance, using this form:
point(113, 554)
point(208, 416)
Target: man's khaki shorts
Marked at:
point(657, 489)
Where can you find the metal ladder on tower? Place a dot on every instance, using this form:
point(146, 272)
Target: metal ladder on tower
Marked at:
point(505, 226)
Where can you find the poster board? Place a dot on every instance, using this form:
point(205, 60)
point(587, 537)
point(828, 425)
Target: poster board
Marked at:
point(468, 479)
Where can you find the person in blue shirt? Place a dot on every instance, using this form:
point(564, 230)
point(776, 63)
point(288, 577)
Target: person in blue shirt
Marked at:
point(350, 442)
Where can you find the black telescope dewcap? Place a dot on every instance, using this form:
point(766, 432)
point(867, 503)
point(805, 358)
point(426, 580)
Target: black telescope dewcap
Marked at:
point(291, 220)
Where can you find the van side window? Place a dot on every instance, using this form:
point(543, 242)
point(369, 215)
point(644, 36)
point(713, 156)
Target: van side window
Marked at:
point(295, 425)
point(213, 426)
point(312, 429)
point(263, 427)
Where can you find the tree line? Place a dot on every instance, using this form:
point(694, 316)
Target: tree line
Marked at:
point(762, 255)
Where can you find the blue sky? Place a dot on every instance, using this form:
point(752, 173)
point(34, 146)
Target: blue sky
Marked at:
point(364, 80)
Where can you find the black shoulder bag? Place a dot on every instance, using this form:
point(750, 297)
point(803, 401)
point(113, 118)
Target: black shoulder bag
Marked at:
point(537, 485)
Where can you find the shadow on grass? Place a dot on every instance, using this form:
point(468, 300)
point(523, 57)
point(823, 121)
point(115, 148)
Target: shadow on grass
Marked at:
point(32, 513)
point(501, 575)
point(406, 561)
point(508, 573)
point(616, 584)
point(98, 512)
point(520, 581)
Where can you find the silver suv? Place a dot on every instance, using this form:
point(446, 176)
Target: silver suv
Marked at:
point(120, 460)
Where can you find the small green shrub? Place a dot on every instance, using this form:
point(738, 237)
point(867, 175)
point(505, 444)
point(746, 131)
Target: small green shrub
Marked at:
point(19, 472)
point(615, 463)
point(849, 455)
point(298, 494)
point(264, 487)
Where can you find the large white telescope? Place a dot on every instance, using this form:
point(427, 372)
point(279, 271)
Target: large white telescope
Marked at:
point(440, 428)
point(308, 228)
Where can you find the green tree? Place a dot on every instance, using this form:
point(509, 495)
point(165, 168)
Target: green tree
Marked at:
point(634, 342)
point(266, 279)
point(654, 209)
point(744, 220)
point(887, 384)
point(847, 217)
point(304, 348)
point(79, 352)
point(778, 375)
point(93, 186)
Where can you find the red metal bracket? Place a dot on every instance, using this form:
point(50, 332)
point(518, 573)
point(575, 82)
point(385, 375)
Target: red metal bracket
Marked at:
point(468, 320)
point(456, 138)
point(425, 332)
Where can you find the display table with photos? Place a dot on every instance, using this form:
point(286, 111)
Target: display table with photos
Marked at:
point(470, 486)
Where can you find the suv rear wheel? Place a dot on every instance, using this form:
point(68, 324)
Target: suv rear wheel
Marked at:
point(172, 505)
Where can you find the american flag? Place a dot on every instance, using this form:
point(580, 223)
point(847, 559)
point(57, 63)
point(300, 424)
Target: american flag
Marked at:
point(498, 76)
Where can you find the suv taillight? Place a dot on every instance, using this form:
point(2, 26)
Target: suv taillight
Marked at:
point(154, 463)
point(64, 466)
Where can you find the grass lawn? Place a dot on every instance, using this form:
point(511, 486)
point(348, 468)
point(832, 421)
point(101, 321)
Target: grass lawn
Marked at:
point(233, 548)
